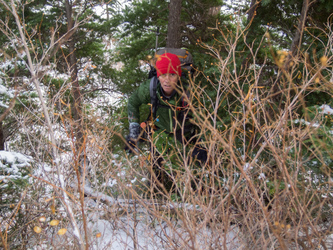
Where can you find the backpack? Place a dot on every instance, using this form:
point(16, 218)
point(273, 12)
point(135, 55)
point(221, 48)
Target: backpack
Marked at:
point(185, 57)
point(186, 61)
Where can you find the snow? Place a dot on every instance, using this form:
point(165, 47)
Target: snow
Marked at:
point(311, 124)
point(138, 227)
point(143, 230)
point(247, 166)
point(101, 196)
point(15, 161)
point(4, 92)
point(110, 183)
point(262, 176)
point(326, 109)
point(133, 181)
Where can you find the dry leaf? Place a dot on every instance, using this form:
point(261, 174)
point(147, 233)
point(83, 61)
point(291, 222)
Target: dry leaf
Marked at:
point(53, 209)
point(317, 80)
point(324, 60)
point(49, 199)
point(98, 235)
point(54, 222)
point(37, 229)
point(62, 231)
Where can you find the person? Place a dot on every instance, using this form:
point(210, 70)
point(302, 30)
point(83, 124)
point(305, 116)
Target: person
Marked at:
point(170, 124)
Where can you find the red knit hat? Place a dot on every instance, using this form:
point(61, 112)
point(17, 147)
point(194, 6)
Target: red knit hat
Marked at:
point(168, 63)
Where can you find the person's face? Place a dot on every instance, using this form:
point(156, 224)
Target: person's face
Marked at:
point(168, 82)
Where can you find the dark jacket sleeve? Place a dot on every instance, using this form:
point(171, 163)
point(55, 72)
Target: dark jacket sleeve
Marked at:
point(140, 96)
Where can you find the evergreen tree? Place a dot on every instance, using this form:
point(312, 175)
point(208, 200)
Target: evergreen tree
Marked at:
point(136, 38)
point(69, 41)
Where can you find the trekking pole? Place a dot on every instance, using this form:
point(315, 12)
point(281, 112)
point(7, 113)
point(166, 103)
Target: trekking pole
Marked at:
point(157, 34)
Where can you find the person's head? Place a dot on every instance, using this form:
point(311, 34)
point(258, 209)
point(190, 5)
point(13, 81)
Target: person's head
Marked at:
point(168, 71)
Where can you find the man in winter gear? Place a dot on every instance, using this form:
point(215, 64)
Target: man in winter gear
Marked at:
point(170, 121)
point(168, 74)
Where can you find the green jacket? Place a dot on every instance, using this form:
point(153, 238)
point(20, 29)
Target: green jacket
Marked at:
point(168, 111)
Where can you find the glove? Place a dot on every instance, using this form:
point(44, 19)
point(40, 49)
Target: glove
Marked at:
point(200, 154)
point(134, 129)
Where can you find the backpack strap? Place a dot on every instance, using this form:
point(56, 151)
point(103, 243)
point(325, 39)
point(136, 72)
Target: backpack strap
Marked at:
point(153, 96)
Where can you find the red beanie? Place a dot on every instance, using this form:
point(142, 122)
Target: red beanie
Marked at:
point(168, 63)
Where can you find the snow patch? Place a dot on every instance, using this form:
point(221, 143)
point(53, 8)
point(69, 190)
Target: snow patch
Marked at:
point(10, 165)
point(16, 160)
point(326, 109)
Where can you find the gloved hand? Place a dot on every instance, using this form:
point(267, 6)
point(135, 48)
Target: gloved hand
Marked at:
point(200, 154)
point(134, 129)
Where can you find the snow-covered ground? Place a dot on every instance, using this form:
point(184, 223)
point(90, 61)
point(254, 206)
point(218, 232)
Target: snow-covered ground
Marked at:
point(139, 229)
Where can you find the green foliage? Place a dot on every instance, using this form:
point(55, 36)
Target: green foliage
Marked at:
point(5, 96)
point(136, 39)
point(14, 181)
point(116, 121)
point(318, 145)
point(14, 170)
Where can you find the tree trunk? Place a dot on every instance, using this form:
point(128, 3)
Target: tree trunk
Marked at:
point(2, 138)
point(77, 97)
point(252, 10)
point(174, 39)
point(75, 90)
point(80, 157)
point(297, 40)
